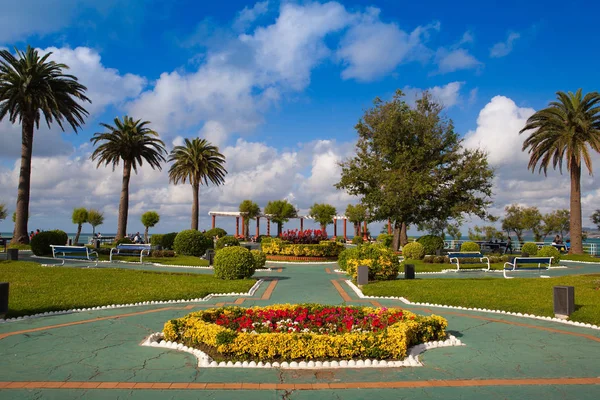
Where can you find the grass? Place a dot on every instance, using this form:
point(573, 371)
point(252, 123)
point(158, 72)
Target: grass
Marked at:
point(421, 266)
point(580, 257)
point(177, 260)
point(531, 296)
point(35, 289)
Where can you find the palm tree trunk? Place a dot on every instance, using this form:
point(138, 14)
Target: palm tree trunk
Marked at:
point(77, 235)
point(195, 205)
point(575, 223)
point(124, 203)
point(20, 235)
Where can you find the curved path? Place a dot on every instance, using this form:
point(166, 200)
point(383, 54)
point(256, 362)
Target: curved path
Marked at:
point(96, 354)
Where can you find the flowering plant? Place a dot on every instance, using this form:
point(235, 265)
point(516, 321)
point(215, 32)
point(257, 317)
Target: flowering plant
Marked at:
point(308, 236)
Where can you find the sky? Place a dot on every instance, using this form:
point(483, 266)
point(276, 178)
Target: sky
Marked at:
point(279, 87)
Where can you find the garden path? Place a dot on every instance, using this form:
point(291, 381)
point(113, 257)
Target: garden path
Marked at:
point(96, 354)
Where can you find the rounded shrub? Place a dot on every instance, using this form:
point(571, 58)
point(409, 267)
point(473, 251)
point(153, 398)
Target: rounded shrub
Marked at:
point(156, 239)
point(348, 253)
point(211, 233)
point(431, 243)
point(382, 262)
point(549, 251)
point(357, 240)
point(469, 246)
point(124, 240)
point(233, 262)
point(413, 251)
point(226, 241)
point(168, 240)
point(385, 239)
point(40, 243)
point(191, 243)
point(260, 259)
point(530, 248)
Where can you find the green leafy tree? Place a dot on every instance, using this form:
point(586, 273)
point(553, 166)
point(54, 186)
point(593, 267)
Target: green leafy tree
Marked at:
point(132, 142)
point(79, 217)
point(595, 218)
point(251, 210)
point(487, 232)
point(519, 219)
point(556, 222)
point(410, 166)
point(280, 212)
point(149, 220)
point(3, 211)
point(323, 214)
point(566, 131)
point(33, 89)
point(356, 214)
point(454, 231)
point(197, 161)
point(95, 218)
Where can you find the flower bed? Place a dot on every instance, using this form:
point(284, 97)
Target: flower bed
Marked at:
point(304, 332)
point(300, 259)
point(282, 248)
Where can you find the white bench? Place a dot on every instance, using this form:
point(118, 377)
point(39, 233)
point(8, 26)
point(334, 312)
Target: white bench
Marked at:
point(457, 256)
point(125, 249)
point(74, 253)
point(546, 261)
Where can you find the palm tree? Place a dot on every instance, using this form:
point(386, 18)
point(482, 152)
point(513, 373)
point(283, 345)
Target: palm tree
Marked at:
point(566, 130)
point(32, 88)
point(195, 162)
point(131, 141)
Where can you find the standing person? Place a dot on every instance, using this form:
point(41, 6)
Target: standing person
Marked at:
point(508, 246)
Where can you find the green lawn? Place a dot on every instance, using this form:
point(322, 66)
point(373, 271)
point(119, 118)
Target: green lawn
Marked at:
point(531, 296)
point(35, 289)
point(177, 260)
point(421, 266)
point(580, 257)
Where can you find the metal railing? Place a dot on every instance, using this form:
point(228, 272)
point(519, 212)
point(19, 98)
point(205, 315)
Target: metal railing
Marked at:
point(588, 248)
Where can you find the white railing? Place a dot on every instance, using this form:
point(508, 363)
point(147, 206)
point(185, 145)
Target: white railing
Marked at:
point(588, 248)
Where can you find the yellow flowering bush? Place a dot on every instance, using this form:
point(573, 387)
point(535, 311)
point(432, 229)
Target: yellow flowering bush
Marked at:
point(277, 246)
point(304, 332)
point(382, 262)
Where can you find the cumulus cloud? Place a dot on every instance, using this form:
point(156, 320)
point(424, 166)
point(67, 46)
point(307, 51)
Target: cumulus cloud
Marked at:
point(454, 60)
point(503, 49)
point(448, 95)
point(248, 15)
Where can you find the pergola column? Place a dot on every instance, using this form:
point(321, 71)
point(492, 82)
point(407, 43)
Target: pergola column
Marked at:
point(345, 237)
point(257, 227)
point(243, 226)
point(389, 226)
point(268, 226)
point(365, 237)
point(237, 226)
point(214, 221)
point(334, 228)
point(301, 224)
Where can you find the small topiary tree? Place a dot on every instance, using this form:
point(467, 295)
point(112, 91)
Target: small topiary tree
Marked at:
point(149, 220)
point(40, 243)
point(469, 246)
point(385, 239)
point(226, 241)
point(234, 262)
point(211, 233)
point(357, 240)
point(413, 251)
point(530, 248)
point(191, 243)
point(431, 243)
point(79, 217)
point(260, 259)
point(549, 251)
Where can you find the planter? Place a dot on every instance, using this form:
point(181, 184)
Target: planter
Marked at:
point(271, 257)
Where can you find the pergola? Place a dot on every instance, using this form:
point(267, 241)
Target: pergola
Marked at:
point(240, 215)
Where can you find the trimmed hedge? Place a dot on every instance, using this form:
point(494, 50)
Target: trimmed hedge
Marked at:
point(549, 251)
point(211, 233)
point(345, 255)
point(469, 246)
point(260, 259)
point(382, 262)
point(233, 262)
point(40, 243)
point(191, 243)
point(226, 241)
point(385, 239)
point(413, 251)
point(530, 248)
point(357, 240)
point(326, 248)
point(431, 243)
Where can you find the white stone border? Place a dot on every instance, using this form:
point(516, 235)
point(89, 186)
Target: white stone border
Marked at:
point(360, 294)
point(251, 292)
point(205, 361)
point(582, 262)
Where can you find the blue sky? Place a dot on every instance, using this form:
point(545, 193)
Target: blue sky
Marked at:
point(279, 87)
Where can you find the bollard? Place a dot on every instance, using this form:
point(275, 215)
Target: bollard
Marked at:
point(97, 244)
point(248, 246)
point(363, 275)
point(409, 271)
point(70, 242)
point(12, 254)
point(210, 255)
point(3, 299)
point(564, 301)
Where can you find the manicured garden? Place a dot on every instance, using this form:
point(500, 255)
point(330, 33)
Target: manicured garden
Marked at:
point(36, 289)
point(531, 296)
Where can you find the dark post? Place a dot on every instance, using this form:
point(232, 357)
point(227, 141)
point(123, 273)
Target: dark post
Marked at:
point(97, 241)
point(3, 298)
point(248, 246)
point(210, 255)
point(564, 301)
point(363, 275)
point(409, 271)
point(70, 242)
point(12, 254)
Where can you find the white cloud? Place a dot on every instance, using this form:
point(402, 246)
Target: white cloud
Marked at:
point(454, 60)
point(248, 15)
point(502, 49)
point(448, 95)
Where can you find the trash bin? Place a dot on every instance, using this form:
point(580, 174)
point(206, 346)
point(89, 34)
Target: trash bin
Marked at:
point(12, 254)
point(210, 256)
point(3, 298)
point(97, 242)
point(409, 271)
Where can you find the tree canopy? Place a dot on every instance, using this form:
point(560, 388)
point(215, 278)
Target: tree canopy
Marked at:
point(410, 166)
point(150, 219)
point(519, 219)
point(95, 218)
point(323, 214)
point(280, 212)
point(3, 211)
point(79, 217)
point(251, 210)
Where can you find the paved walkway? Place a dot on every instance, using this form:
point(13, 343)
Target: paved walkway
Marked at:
point(96, 354)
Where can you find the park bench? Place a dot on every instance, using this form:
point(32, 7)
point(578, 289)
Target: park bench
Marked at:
point(125, 249)
point(74, 253)
point(512, 266)
point(467, 257)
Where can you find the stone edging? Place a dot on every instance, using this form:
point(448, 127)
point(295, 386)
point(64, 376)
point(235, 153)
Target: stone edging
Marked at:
point(582, 262)
point(143, 303)
point(205, 361)
point(360, 294)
